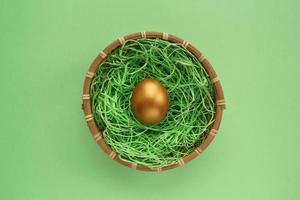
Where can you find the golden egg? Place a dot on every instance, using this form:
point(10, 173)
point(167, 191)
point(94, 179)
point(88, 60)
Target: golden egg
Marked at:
point(150, 101)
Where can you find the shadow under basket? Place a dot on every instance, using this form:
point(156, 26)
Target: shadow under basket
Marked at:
point(96, 131)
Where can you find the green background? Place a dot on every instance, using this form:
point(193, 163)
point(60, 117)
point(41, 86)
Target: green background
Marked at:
point(46, 150)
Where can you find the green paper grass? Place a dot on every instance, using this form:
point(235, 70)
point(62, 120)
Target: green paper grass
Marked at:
point(191, 110)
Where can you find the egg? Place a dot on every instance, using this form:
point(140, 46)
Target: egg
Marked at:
point(150, 101)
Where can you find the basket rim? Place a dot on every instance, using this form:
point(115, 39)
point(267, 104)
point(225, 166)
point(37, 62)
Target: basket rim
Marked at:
point(97, 133)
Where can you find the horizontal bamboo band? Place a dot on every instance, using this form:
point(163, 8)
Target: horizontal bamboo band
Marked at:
point(90, 74)
point(185, 43)
point(143, 34)
point(89, 118)
point(98, 137)
point(121, 40)
point(85, 96)
point(221, 102)
point(213, 132)
point(202, 58)
point(112, 154)
point(133, 165)
point(158, 169)
point(198, 150)
point(214, 80)
point(103, 54)
point(165, 36)
point(180, 162)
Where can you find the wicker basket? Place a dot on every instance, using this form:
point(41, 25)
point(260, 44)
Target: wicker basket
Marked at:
point(96, 133)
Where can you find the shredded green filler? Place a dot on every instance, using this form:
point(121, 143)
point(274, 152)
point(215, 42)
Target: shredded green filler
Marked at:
point(191, 110)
